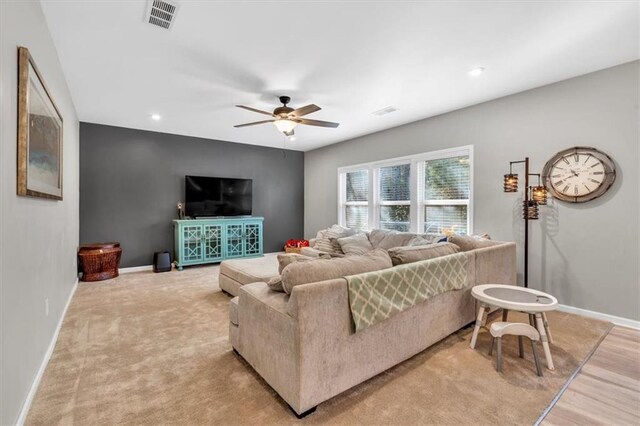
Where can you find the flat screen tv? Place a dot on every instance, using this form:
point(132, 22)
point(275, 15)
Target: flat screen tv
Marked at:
point(216, 197)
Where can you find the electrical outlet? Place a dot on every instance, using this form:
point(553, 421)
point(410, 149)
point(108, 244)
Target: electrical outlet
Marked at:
point(46, 306)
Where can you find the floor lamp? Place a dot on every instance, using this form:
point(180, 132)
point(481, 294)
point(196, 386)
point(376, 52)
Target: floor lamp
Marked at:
point(534, 196)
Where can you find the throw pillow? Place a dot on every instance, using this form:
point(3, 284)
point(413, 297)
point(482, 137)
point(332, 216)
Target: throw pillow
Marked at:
point(326, 269)
point(275, 284)
point(386, 239)
point(355, 244)
point(467, 242)
point(404, 255)
point(426, 239)
point(286, 259)
point(324, 243)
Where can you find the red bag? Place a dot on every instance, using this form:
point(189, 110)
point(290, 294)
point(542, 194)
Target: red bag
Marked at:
point(297, 243)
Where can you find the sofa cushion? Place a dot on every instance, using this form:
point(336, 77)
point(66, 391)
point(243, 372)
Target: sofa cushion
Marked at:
point(326, 240)
point(326, 269)
point(404, 255)
point(233, 311)
point(386, 239)
point(246, 271)
point(468, 242)
point(355, 244)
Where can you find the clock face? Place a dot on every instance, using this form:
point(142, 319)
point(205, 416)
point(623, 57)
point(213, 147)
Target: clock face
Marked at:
point(579, 174)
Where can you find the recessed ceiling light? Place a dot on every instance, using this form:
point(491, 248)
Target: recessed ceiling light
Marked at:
point(385, 110)
point(476, 71)
point(155, 117)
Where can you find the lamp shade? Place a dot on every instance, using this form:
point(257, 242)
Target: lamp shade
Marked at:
point(511, 182)
point(530, 210)
point(284, 125)
point(539, 195)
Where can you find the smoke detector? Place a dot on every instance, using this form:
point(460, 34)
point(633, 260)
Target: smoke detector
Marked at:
point(385, 111)
point(161, 13)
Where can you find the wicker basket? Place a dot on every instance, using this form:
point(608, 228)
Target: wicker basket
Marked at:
point(97, 263)
point(292, 249)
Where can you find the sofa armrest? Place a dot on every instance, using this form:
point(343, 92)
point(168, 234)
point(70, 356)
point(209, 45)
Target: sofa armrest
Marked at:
point(268, 340)
point(496, 264)
point(326, 299)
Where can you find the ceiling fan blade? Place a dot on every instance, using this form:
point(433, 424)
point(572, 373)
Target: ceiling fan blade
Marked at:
point(254, 123)
point(317, 123)
point(305, 110)
point(255, 110)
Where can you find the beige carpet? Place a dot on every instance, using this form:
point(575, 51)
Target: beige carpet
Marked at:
point(152, 349)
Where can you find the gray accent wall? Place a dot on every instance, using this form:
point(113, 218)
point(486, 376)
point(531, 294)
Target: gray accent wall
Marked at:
point(585, 254)
point(38, 237)
point(131, 180)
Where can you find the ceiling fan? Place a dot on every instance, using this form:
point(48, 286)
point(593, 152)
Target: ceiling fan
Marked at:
point(286, 118)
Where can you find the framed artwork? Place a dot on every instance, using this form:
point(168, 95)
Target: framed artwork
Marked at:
point(39, 134)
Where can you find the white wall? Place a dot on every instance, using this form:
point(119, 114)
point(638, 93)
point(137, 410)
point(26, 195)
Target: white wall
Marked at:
point(39, 237)
point(585, 254)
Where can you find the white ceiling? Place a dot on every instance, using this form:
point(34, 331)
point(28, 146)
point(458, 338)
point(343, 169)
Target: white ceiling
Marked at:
point(350, 58)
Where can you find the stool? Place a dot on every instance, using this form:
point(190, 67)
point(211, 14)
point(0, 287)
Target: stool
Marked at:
point(500, 329)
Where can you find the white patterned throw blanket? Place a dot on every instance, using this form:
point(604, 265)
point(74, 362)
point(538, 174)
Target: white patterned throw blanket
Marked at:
point(377, 296)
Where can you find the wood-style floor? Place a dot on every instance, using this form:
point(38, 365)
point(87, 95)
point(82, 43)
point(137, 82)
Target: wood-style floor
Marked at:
point(607, 389)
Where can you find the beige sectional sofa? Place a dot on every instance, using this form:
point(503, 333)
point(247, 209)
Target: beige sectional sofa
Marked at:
point(305, 346)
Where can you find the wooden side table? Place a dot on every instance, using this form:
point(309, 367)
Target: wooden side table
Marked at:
point(535, 303)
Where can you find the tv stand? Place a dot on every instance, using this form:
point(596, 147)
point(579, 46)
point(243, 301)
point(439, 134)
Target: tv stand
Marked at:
point(201, 241)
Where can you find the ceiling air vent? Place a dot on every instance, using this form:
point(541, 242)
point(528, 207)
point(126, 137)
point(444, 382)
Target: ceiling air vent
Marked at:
point(161, 13)
point(384, 111)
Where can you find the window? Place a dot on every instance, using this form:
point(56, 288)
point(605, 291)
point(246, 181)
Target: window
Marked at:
point(446, 195)
point(425, 193)
point(356, 206)
point(395, 197)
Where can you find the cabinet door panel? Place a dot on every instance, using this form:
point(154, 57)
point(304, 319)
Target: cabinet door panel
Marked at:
point(234, 243)
point(212, 242)
point(252, 242)
point(192, 243)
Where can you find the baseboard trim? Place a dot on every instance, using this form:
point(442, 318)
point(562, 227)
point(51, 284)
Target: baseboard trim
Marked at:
point(624, 322)
point(135, 269)
point(45, 361)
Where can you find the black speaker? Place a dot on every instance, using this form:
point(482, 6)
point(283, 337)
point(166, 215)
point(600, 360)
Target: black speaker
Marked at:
point(161, 261)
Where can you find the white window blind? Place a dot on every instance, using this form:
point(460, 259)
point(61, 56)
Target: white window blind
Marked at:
point(446, 194)
point(395, 197)
point(356, 206)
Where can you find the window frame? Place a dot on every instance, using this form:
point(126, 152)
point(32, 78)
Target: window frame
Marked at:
point(417, 202)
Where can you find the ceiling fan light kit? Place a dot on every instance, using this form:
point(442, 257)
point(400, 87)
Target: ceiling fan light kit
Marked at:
point(285, 125)
point(286, 118)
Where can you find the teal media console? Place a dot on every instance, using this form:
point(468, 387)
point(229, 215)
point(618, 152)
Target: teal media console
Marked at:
point(200, 241)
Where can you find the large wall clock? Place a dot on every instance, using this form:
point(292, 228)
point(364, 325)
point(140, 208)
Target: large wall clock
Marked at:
point(579, 174)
